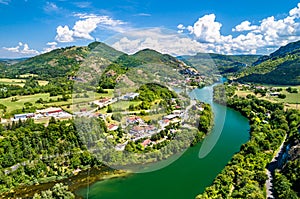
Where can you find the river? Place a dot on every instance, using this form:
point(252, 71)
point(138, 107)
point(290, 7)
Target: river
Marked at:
point(192, 172)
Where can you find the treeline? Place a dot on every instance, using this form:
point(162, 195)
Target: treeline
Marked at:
point(245, 175)
point(55, 87)
point(32, 153)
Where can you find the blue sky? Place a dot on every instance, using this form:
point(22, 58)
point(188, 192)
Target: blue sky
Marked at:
point(31, 27)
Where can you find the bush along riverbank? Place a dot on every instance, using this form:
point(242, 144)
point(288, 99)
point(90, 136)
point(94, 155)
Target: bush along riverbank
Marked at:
point(245, 175)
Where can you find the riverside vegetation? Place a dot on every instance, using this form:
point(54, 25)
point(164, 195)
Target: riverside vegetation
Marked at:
point(245, 175)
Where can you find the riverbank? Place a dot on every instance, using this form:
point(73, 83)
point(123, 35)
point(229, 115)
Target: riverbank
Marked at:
point(81, 180)
point(189, 174)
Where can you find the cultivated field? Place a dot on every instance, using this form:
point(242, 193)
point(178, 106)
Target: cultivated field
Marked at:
point(19, 82)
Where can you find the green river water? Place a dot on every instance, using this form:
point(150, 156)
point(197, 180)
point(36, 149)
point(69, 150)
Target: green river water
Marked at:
point(190, 174)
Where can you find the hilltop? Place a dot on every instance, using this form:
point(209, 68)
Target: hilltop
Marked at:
point(60, 62)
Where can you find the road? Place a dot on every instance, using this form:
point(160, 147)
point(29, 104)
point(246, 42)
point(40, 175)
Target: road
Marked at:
point(270, 171)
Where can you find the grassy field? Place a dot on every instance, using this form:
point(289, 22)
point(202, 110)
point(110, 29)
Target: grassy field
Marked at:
point(19, 82)
point(292, 100)
point(19, 104)
point(23, 99)
point(123, 105)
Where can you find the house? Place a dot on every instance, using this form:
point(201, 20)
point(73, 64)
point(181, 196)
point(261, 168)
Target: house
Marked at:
point(170, 117)
point(130, 96)
point(164, 123)
point(49, 111)
point(112, 127)
point(150, 129)
point(21, 116)
point(134, 120)
point(103, 102)
point(274, 94)
point(111, 73)
point(146, 142)
point(137, 130)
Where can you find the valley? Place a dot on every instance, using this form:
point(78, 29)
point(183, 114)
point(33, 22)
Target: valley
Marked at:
point(76, 109)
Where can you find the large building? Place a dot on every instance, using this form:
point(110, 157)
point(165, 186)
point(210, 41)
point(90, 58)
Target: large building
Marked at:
point(49, 111)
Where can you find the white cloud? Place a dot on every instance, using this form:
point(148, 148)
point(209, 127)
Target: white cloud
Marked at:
point(64, 34)
point(51, 46)
point(269, 33)
point(143, 14)
point(244, 26)
point(159, 39)
point(12, 49)
point(22, 49)
point(51, 7)
point(207, 29)
point(295, 12)
point(87, 24)
point(5, 2)
point(84, 4)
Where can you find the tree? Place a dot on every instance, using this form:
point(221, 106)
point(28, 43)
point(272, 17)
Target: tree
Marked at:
point(58, 191)
point(109, 109)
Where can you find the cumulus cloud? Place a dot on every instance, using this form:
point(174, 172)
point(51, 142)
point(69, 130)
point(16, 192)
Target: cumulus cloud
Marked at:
point(162, 40)
point(22, 49)
point(207, 29)
point(86, 25)
point(244, 26)
point(270, 33)
point(64, 34)
point(51, 46)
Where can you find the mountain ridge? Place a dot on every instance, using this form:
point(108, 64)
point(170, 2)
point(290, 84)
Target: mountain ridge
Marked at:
point(282, 67)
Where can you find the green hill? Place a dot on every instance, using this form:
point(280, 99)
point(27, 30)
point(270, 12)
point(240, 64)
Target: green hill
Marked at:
point(152, 56)
point(281, 67)
point(61, 62)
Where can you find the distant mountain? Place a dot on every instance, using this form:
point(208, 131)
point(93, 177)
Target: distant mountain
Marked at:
point(216, 63)
point(12, 61)
point(62, 62)
point(282, 67)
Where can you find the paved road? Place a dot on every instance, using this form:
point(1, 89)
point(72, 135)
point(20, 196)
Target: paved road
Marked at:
point(270, 171)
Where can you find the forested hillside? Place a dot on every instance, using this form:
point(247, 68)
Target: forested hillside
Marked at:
point(281, 67)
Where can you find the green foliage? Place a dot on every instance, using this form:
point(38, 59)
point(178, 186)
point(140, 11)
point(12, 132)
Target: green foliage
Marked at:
point(206, 118)
point(152, 91)
point(128, 61)
point(152, 56)
point(244, 176)
point(58, 191)
point(282, 96)
point(282, 187)
point(292, 90)
point(41, 152)
point(109, 109)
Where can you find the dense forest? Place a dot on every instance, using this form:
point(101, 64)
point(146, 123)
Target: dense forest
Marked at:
point(32, 153)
